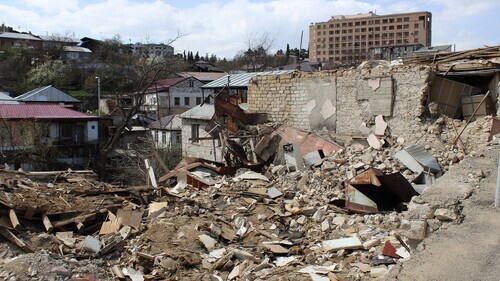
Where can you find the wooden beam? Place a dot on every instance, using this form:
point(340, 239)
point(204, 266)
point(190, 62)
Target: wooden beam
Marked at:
point(13, 219)
point(47, 223)
point(12, 238)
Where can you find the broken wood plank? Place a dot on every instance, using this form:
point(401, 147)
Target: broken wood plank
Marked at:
point(81, 218)
point(47, 223)
point(12, 238)
point(14, 220)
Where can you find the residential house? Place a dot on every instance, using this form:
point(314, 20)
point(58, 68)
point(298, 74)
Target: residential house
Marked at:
point(237, 84)
point(194, 122)
point(5, 98)
point(172, 96)
point(47, 95)
point(16, 39)
point(34, 128)
point(166, 132)
point(56, 42)
point(75, 54)
point(204, 66)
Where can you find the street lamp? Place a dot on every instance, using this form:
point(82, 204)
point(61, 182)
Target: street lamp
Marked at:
point(98, 96)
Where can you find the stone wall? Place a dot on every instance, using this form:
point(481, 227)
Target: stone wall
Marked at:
point(201, 149)
point(340, 101)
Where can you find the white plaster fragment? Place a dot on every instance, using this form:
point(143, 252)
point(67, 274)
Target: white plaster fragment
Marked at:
point(327, 110)
point(310, 106)
point(380, 125)
point(374, 83)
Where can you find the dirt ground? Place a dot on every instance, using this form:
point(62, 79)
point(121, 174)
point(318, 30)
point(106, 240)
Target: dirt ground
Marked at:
point(470, 250)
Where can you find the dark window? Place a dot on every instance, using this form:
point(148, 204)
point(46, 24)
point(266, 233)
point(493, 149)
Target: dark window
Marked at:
point(191, 84)
point(400, 19)
point(406, 19)
point(186, 100)
point(198, 100)
point(177, 101)
point(164, 137)
point(175, 137)
point(66, 131)
point(416, 25)
point(195, 132)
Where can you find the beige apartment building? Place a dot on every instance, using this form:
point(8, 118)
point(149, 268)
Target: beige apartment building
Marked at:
point(348, 39)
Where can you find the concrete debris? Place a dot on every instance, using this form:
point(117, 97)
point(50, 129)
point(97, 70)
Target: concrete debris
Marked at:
point(342, 244)
point(311, 207)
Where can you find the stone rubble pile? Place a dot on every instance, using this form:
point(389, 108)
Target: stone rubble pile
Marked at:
point(273, 224)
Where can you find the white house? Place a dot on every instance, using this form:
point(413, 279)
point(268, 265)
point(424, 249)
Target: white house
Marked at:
point(173, 96)
point(194, 122)
point(166, 132)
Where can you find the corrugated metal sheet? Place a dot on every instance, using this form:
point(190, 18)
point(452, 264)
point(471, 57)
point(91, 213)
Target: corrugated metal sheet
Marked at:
point(6, 99)
point(204, 112)
point(240, 80)
point(46, 94)
point(41, 111)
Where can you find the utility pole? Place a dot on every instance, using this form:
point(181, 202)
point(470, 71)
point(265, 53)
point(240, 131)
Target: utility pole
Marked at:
point(98, 96)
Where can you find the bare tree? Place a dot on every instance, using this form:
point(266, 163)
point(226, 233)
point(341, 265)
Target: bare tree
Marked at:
point(132, 75)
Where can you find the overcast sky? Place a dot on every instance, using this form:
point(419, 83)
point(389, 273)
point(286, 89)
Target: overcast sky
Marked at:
point(222, 27)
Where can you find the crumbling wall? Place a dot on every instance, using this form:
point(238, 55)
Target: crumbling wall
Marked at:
point(203, 148)
point(306, 100)
point(340, 100)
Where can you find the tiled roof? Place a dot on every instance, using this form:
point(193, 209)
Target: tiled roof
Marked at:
point(41, 111)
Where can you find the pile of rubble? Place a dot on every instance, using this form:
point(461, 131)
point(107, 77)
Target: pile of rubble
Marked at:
point(292, 211)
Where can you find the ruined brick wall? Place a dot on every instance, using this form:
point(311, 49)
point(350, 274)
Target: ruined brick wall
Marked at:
point(339, 101)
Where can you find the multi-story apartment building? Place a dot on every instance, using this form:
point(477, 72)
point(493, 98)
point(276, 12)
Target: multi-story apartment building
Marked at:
point(152, 50)
point(347, 39)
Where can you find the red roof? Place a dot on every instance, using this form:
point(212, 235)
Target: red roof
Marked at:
point(41, 111)
point(162, 85)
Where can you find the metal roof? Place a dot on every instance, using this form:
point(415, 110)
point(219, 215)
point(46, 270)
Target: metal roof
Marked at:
point(204, 112)
point(76, 49)
point(20, 36)
point(240, 80)
point(46, 94)
point(5, 98)
point(169, 123)
point(41, 111)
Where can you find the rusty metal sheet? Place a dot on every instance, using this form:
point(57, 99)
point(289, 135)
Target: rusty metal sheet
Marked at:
point(358, 202)
point(367, 177)
point(386, 191)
